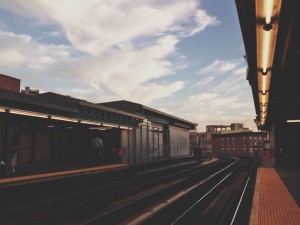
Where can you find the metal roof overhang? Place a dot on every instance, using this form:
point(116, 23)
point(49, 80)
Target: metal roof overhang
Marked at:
point(177, 121)
point(284, 96)
point(109, 109)
point(35, 106)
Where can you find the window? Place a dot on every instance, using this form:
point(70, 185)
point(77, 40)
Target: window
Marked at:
point(244, 141)
point(222, 141)
point(255, 141)
point(232, 141)
point(250, 141)
point(260, 141)
point(228, 144)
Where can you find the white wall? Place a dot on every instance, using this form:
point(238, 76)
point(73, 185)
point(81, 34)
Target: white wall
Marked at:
point(148, 145)
point(179, 142)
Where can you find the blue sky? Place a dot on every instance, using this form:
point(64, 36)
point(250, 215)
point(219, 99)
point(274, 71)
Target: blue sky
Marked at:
point(182, 57)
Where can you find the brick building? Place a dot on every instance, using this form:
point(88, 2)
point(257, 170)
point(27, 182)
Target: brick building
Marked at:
point(9, 83)
point(233, 139)
point(246, 143)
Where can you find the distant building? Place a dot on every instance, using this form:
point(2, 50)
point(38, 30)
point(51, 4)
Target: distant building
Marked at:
point(9, 83)
point(210, 130)
point(203, 141)
point(245, 143)
point(232, 139)
point(30, 91)
point(194, 140)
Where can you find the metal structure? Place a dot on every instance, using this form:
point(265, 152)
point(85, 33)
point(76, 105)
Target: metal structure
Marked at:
point(271, 34)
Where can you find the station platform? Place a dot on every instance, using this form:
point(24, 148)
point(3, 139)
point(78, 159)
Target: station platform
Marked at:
point(47, 176)
point(50, 171)
point(273, 203)
point(59, 171)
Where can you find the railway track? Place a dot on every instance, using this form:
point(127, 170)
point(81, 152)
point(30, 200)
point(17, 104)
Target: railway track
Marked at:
point(165, 199)
point(223, 198)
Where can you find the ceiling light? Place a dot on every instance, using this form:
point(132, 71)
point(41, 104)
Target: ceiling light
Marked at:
point(267, 15)
point(90, 122)
point(293, 121)
point(64, 119)
point(28, 113)
point(110, 125)
point(263, 97)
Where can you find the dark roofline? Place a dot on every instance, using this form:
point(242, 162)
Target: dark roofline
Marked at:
point(109, 109)
point(218, 125)
point(241, 133)
point(11, 96)
point(45, 103)
point(168, 115)
point(143, 107)
point(10, 77)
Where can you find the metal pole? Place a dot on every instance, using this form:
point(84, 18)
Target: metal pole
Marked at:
point(128, 145)
point(7, 129)
point(141, 143)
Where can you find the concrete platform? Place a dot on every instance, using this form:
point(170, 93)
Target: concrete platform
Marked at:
point(272, 203)
point(13, 181)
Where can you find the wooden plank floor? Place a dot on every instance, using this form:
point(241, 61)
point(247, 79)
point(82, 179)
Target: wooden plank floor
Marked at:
point(272, 202)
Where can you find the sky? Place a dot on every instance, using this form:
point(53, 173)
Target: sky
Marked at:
point(185, 58)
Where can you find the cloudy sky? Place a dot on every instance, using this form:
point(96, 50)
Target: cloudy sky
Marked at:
point(181, 57)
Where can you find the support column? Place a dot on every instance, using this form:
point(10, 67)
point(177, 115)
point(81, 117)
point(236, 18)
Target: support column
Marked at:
point(148, 151)
point(32, 144)
point(280, 140)
point(7, 131)
point(128, 145)
point(134, 145)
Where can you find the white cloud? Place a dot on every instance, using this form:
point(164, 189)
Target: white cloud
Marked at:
point(202, 21)
point(218, 67)
point(53, 34)
point(97, 26)
point(20, 51)
point(121, 50)
point(124, 75)
point(215, 108)
point(234, 84)
point(148, 93)
point(118, 49)
point(228, 102)
point(203, 82)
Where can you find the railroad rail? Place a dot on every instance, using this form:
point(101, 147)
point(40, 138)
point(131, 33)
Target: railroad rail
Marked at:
point(142, 200)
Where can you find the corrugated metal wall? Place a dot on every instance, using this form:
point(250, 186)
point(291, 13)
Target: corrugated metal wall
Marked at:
point(146, 143)
point(179, 142)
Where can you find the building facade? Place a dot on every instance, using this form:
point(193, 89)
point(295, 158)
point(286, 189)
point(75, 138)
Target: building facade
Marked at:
point(239, 144)
point(53, 127)
point(9, 83)
point(233, 139)
point(160, 136)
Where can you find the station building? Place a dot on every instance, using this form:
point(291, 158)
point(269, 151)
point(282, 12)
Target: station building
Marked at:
point(50, 127)
point(160, 136)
